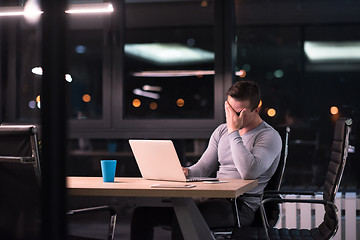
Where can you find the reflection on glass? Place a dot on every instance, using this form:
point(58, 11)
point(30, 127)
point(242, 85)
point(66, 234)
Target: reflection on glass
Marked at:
point(84, 67)
point(321, 51)
point(308, 75)
point(26, 55)
point(167, 54)
point(171, 72)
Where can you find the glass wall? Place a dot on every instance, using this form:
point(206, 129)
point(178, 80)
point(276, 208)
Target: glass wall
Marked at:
point(305, 57)
point(146, 70)
point(169, 73)
point(85, 53)
point(86, 69)
point(169, 66)
point(20, 58)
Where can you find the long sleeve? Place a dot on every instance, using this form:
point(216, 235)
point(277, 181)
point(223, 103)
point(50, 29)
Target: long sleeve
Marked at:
point(253, 161)
point(254, 155)
point(208, 162)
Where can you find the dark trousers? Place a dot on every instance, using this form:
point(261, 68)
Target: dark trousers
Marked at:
point(218, 213)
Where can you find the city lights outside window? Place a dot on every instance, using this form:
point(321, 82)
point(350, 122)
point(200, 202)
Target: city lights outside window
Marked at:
point(180, 102)
point(334, 110)
point(271, 112)
point(136, 103)
point(153, 106)
point(86, 98)
point(241, 73)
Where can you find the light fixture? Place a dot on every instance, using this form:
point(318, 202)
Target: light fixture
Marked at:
point(152, 88)
point(140, 92)
point(39, 71)
point(168, 53)
point(342, 51)
point(89, 8)
point(178, 73)
point(11, 11)
point(173, 73)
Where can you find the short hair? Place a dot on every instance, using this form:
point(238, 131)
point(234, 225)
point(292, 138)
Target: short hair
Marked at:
point(245, 90)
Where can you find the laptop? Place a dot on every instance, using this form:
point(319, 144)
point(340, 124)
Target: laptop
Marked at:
point(158, 160)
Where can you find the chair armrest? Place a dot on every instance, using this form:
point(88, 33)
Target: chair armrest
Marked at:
point(287, 200)
point(293, 200)
point(12, 159)
point(110, 209)
point(252, 195)
point(275, 193)
point(272, 192)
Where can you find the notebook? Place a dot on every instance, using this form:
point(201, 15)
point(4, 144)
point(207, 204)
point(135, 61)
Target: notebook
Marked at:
point(158, 160)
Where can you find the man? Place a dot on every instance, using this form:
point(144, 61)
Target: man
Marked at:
point(244, 147)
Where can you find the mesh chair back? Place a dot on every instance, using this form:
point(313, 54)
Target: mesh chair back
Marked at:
point(333, 177)
point(19, 182)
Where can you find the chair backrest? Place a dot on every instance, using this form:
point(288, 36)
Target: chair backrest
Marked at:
point(272, 209)
point(275, 181)
point(333, 177)
point(19, 182)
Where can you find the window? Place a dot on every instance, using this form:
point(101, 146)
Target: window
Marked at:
point(306, 63)
point(169, 73)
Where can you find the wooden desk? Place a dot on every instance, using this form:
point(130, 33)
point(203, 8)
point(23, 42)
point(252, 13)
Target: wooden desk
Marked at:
point(190, 219)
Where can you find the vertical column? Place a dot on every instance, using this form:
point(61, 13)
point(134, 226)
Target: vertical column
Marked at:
point(225, 49)
point(53, 121)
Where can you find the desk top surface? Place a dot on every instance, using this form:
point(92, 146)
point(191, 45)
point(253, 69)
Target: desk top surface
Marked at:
point(138, 187)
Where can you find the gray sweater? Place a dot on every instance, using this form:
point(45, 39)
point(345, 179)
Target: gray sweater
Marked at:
point(255, 155)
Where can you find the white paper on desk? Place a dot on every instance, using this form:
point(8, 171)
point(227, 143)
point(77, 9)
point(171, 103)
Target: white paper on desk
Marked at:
point(212, 182)
point(173, 186)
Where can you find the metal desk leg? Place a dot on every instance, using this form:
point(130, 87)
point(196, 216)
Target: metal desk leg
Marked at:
point(192, 223)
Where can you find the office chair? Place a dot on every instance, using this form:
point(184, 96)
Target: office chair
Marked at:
point(20, 181)
point(329, 226)
point(274, 184)
point(272, 209)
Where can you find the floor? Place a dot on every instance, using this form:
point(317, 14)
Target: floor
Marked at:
point(96, 225)
point(97, 228)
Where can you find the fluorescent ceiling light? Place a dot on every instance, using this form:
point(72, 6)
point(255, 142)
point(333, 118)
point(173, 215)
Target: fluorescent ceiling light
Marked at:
point(317, 51)
point(152, 88)
point(140, 92)
point(88, 8)
point(179, 73)
point(168, 53)
point(12, 11)
point(173, 73)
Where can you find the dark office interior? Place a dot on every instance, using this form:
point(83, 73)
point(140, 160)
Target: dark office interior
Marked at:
point(159, 69)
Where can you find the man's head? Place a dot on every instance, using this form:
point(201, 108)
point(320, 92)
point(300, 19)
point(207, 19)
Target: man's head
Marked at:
point(245, 91)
